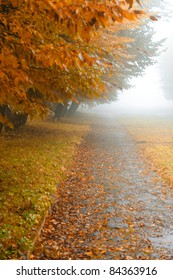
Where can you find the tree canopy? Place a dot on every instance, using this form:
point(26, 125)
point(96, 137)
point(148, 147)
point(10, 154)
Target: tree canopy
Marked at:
point(56, 51)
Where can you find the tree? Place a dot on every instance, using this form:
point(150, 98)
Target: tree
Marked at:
point(140, 52)
point(53, 48)
point(45, 46)
point(166, 70)
point(136, 50)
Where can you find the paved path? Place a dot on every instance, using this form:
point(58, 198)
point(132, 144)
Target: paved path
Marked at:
point(112, 206)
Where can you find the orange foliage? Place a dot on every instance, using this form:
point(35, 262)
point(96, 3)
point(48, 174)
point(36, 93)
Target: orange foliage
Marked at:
point(46, 45)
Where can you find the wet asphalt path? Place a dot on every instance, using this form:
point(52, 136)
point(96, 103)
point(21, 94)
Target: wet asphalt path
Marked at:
point(112, 205)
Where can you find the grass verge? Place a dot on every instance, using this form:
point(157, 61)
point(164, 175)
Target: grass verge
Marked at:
point(33, 161)
point(154, 136)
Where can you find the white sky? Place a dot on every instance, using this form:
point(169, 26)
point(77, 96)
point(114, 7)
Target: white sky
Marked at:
point(147, 93)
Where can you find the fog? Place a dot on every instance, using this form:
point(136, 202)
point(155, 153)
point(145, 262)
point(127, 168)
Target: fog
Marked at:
point(147, 96)
point(153, 92)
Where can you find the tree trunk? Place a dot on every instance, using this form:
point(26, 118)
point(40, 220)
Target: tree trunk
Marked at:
point(19, 120)
point(60, 110)
point(73, 108)
point(65, 109)
point(2, 112)
point(16, 119)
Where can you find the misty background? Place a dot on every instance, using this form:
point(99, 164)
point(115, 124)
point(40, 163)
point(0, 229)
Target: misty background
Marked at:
point(153, 92)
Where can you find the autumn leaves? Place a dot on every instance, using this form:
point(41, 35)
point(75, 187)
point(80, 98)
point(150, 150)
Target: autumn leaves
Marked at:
point(54, 48)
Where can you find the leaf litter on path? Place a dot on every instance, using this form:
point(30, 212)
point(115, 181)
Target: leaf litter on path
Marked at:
point(109, 207)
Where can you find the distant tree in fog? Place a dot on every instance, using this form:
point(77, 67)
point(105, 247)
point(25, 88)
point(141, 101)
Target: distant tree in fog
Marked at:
point(166, 72)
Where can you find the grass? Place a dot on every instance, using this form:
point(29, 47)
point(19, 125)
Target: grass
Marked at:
point(154, 136)
point(33, 161)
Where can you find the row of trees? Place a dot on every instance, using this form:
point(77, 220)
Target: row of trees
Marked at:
point(56, 52)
